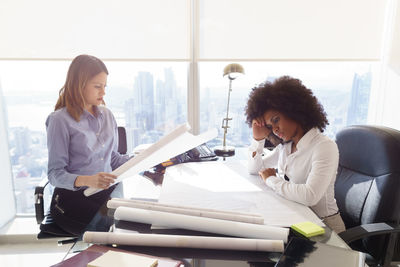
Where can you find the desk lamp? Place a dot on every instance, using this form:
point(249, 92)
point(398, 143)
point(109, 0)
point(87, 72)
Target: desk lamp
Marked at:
point(232, 71)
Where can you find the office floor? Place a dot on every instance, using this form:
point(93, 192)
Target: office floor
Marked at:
point(19, 246)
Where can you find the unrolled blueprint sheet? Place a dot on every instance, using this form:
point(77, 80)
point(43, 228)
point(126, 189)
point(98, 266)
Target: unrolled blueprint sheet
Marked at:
point(176, 142)
point(229, 186)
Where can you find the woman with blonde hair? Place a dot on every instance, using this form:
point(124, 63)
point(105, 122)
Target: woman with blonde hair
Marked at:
point(82, 140)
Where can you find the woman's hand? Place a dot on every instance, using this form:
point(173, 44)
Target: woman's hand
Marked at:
point(264, 174)
point(101, 180)
point(260, 132)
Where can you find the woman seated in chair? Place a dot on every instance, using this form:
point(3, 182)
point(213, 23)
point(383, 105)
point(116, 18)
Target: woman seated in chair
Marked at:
point(303, 167)
point(82, 141)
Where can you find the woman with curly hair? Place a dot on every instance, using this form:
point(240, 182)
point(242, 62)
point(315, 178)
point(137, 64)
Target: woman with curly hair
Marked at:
point(302, 168)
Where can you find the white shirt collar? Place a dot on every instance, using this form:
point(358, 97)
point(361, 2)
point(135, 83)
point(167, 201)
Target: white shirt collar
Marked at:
point(307, 138)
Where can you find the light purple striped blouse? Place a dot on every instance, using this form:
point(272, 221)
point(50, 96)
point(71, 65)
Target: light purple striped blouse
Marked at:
point(81, 148)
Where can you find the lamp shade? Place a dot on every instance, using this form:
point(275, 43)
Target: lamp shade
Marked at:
point(233, 70)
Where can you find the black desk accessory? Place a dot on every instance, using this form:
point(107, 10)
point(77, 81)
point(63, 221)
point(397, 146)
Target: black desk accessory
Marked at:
point(301, 252)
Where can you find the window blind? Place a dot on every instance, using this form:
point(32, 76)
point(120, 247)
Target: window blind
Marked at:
point(291, 30)
point(119, 29)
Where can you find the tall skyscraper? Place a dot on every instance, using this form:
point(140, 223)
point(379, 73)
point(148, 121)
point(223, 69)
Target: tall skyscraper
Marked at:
point(143, 99)
point(359, 102)
point(22, 140)
point(167, 102)
point(160, 103)
point(132, 135)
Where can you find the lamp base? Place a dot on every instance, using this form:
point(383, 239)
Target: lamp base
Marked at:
point(224, 151)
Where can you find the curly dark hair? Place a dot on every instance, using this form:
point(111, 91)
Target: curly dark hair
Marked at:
point(290, 97)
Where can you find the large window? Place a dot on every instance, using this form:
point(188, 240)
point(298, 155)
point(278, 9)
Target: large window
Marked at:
point(166, 59)
point(343, 88)
point(148, 99)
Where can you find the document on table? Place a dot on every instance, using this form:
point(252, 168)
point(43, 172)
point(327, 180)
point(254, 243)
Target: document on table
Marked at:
point(115, 203)
point(229, 186)
point(176, 142)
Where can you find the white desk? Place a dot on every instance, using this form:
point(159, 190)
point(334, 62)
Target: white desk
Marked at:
point(219, 185)
point(227, 185)
point(138, 187)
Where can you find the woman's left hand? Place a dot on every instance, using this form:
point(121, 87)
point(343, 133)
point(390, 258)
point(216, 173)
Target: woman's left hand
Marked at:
point(264, 174)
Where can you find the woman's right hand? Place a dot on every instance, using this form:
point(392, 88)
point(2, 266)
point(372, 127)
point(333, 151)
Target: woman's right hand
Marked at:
point(101, 180)
point(260, 132)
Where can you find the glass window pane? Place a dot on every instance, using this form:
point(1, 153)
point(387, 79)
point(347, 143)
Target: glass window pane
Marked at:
point(148, 98)
point(343, 88)
point(6, 187)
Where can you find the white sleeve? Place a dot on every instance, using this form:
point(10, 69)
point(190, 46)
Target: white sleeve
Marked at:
point(323, 170)
point(257, 162)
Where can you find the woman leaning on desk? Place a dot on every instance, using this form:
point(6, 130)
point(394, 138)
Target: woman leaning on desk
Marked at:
point(302, 168)
point(82, 141)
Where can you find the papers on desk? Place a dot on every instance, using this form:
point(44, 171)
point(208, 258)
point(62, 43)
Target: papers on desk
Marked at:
point(257, 237)
point(176, 142)
point(228, 186)
point(224, 188)
point(217, 226)
point(208, 213)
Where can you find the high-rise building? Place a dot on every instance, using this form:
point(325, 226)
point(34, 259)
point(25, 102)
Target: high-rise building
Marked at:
point(168, 107)
point(22, 138)
point(143, 100)
point(359, 102)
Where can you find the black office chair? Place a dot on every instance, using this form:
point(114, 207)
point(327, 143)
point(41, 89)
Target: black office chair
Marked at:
point(367, 191)
point(43, 192)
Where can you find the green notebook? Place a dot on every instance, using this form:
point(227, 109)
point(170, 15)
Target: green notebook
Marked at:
point(308, 229)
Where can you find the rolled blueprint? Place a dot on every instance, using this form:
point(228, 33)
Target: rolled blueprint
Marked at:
point(209, 225)
point(182, 241)
point(192, 211)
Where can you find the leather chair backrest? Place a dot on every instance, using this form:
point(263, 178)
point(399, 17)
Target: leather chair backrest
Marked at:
point(368, 179)
point(367, 187)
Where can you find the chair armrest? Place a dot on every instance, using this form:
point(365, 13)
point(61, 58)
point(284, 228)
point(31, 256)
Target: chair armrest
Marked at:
point(39, 206)
point(367, 230)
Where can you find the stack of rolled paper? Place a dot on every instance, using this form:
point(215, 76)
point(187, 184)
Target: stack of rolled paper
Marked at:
point(254, 235)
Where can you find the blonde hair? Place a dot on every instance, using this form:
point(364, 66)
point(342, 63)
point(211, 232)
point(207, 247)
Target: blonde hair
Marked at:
point(82, 69)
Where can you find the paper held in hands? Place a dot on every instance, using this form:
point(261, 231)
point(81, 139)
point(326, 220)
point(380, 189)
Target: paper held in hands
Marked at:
point(176, 142)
